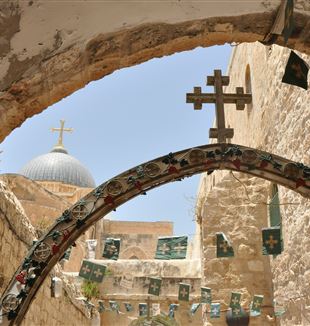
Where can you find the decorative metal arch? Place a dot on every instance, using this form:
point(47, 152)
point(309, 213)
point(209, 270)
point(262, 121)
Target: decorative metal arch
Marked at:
point(50, 248)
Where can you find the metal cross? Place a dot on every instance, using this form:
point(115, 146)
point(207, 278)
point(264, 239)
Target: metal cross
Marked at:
point(183, 292)
point(61, 130)
point(271, 242)
point(219, 98)
point(224, 245)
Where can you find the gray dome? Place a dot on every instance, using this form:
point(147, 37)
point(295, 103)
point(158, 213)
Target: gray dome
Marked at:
point(58, 166)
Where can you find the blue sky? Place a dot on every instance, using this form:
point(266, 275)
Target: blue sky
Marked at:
point(131, 116)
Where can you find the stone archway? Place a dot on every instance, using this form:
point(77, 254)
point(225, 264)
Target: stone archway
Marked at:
point(155, 321)
point(134, 251)
point(50, 248)
point(71, 47)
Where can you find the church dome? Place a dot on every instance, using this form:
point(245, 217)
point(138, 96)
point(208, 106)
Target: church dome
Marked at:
point(59, 166)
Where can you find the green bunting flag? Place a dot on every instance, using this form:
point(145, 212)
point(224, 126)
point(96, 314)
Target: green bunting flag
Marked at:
point(257, 304)
point(155, 285)
point(235, 299)
point(184, 292)
point(215, 310)
point(128, 306)
point(111, 248)
point(206, 295)
point(171, 248)
point(92, 272)
point(101, 307)
point(194, 308)
point(223, 246)
point(114, 306)
point(236, 311)
point(142, 309)
point(172, 308)
point(272, 241)
point(289, 20)
point(296, 71)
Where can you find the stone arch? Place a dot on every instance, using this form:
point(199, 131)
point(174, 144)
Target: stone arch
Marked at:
point(134, 251)
point(81, 216)
point(40, 72)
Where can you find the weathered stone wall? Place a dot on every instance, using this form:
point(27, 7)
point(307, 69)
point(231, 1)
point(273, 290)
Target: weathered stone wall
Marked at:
point(47, 53)
point(278, 122)
point(16, 235)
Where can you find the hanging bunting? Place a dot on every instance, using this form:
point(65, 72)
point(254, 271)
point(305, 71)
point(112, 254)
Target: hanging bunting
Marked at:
point(236, 311)
point(128, 306)
point(173, 307)
point(171, 248)
point(215, 310)
point(155, 309)
point(92, 272)
point(194, 308)
point(223, 246)
point(127, 281)
point(289, 20)
point(56, 287)
point(272, 240)
point(296, 71)
point(184, 292)
point(256, 305)
point(114, 306)
point(206, 295)
point(235, 299)
point(101, 307)
point(111, 248)
point(142, 309)
point(67, 254)
point(154, 286)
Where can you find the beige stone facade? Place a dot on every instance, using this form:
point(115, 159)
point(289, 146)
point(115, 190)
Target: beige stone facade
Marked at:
point(278, 122)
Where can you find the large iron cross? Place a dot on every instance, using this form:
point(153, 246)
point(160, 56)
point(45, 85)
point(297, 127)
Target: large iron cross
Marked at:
point(219, 98)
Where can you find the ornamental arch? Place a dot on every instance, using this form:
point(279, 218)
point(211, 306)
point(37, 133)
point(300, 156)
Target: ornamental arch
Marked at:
point(89, 41)
point(175, 166)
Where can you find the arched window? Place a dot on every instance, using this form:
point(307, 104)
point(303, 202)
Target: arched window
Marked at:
point(248, 86)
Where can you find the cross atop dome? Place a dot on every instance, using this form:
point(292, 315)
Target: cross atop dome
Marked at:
point(59, 147)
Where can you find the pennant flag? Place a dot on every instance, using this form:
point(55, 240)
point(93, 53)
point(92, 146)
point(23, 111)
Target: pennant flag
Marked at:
point(257, 304)
point(215, 310)
point(206, 295)
point(127, 281)
point(91, 248)
point(236, 311)
point(101, 307)
point(155, 309)
point(172, 308)
point(223, 246)
point(56, 287)
point(111, 248)
point(114, 306)
point(296, 71)
point(155, 285)
point(184, 292)
point(67, 253)
point(272, 241)
point(142, 309)
point(235, 299)
point(289, 20)
point(194, 308)
point(92, 272)
point(128, 306)
point(171, 248)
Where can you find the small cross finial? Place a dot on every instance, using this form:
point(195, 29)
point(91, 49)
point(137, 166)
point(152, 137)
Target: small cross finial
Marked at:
point(61, 130)
point(219, 99)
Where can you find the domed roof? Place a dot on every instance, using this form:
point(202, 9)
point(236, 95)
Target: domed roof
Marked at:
point(58, 165)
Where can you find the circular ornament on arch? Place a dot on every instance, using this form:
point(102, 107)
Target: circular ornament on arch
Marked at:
point(42, 251)
point(196, 156)
point(291, 170)
point(152, 170)
point(79, 211)
point(9, 302)
point(114, 188)
point(249, 157)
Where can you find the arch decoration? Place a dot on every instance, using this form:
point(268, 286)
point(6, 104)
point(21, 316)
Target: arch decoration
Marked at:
point(50, 248)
